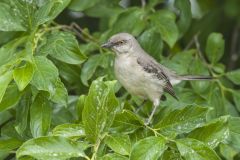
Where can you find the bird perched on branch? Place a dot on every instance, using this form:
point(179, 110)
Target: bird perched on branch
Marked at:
point(140, 74)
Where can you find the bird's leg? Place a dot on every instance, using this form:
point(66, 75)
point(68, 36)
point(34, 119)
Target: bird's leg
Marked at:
point(140, 107)
point(155, 105)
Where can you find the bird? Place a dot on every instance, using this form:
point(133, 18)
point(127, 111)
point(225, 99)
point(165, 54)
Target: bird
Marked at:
point(140, 74)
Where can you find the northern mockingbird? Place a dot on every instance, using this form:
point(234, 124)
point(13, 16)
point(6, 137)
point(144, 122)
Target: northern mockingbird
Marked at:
point(139, 73)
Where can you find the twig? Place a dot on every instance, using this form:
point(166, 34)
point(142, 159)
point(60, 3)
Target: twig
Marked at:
point(234, 53)
point(143, 3)
point(191, 41)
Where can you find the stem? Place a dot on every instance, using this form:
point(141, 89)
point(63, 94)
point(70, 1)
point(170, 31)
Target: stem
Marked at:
point(96, 146)
point(143, 3)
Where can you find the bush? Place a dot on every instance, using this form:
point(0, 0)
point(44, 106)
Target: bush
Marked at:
point(59, 98)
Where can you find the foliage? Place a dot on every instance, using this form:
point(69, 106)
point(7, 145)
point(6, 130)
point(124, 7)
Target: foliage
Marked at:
point(59, 98)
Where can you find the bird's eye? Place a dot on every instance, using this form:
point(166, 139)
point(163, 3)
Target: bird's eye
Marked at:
point(121, 42)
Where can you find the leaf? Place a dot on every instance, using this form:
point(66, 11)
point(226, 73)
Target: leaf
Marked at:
point(9, 20)
point(81, 5)
point(24, 12)
point(64, 47)
point(5, 79)
point(51, 148)
point(60, 94)
point(103, 8)
point(180, 62)
point(45, 75)
point(40, 116)
point(99, 108)
point(8, 145)
point(113, 156)
point(151, 41)
point(228, 152)
point(22, 114)
point(126, 122)
point(23, 75)
point(119, 143)
point(215, 47)
point(184, 22)
point(216, 100)
point(164, 22)
point(236, 99)
point(69, 131)
point(90, 67)
point(234, 76)
point(234, 129)
point(8, 53)
point(10, 98)
point(50, 11)
point(80, 106)
point(150, 148)
point(213, 133)
point(131, 21)
point(192, 149)
point(182, 120)
point(199, 69)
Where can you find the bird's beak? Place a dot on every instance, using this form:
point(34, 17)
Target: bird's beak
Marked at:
point(107, 45)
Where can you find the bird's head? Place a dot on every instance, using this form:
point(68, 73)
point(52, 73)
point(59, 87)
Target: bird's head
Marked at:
point(121, 43)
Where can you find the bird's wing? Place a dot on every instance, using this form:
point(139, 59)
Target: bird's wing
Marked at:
point(152, 67)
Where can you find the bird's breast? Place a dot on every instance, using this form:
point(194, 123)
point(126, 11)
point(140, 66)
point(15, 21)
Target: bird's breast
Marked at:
point(129, 74)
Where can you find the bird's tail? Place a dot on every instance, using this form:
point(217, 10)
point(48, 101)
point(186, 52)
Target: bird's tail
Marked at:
point(193, 78)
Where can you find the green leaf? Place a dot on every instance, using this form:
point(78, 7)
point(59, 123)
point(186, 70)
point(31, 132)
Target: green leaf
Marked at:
point(216, 100)
point(10, 98)
point(8, 53)
point(113, 156)
point(22, 114)
point(64, 47)
point(151, 42)
point(234, 129)
point(150, 148)
point(103, 8)
point(184, 22)
point(131, 21)
point(81, 5)
point(228, 152)
point(213, 133)
point(5, 79)
point(199, 69)
point(183, 120)
point(99, 108)
point(69, 131)
point(164, 23)
point(180, 62)
point(60, 94)
point(24, 11)
point(90, 67)
point(234, 76)
point(236, 99)
point(9, 20)
point(40, 116)
point(50, 11)
point(51, 148)
point(171, 154)
point(192, 149)
point(8, 145)
point(23, 75)
point(119, 143)
point(45, 75)
point(215, 47)
point(126, 122)
point(80, 106)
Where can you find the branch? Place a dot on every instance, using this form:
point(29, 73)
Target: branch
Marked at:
point(143, 3)
point(234, 52)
